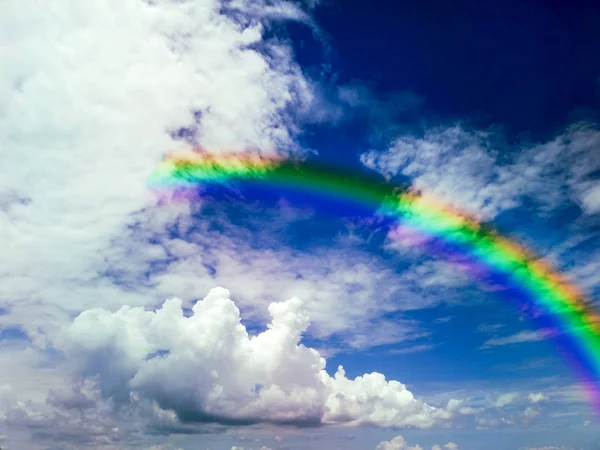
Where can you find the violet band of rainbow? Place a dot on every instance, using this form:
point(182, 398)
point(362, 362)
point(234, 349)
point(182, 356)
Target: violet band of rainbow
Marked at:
point(575, 323)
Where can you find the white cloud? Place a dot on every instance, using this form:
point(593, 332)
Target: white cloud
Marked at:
point(88, 103)
point(506, 399)
point(517, 338)
point(242, 448)
point(207, 367)
point(537, 397)
point(590, 198)
point(467, 169)
point(399, 443)
point(470, 411)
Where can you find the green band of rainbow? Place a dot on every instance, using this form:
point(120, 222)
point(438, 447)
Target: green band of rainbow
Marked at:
point(550, 292)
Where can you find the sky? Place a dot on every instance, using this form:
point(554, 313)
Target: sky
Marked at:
point(262, 320)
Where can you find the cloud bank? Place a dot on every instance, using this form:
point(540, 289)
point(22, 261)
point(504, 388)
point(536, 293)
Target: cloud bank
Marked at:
point(208, 368)
point(94, 97)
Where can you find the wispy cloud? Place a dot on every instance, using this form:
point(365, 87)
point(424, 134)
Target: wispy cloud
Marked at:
point(517, 338)
point(466, 168)
point(412, 349)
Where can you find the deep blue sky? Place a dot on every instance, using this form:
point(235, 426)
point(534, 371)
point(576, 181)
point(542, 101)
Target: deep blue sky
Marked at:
point(527, 66)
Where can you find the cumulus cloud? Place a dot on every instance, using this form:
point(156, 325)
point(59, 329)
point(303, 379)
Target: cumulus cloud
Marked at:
point(537, 397)
point(506, 399)
point(207, 368)
point(399, 443)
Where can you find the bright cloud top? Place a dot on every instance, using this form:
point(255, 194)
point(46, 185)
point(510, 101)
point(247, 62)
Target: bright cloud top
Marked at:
point(207, 368)
point(399, 443)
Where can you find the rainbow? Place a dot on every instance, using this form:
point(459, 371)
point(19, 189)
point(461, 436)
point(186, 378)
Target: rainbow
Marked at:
point(567, 316)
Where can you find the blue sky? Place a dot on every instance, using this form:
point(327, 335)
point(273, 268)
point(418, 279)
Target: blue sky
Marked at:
point(219, 322)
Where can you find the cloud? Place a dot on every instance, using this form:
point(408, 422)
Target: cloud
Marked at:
point(207, 368)
point(467, 169)
point(413, 349)
point(506, 399)
point(484, 423)
point(93, 100)
point(399, 443)
point(347, 291)
point(470, 411)
point(517, 338)
point(338, 285)
point(537, 397)
point(529, 414)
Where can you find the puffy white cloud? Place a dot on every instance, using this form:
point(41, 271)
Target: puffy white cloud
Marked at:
point(537, 397)
point(371, 400)
point(206, 367)
point(506, 399)
point(399, 443)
